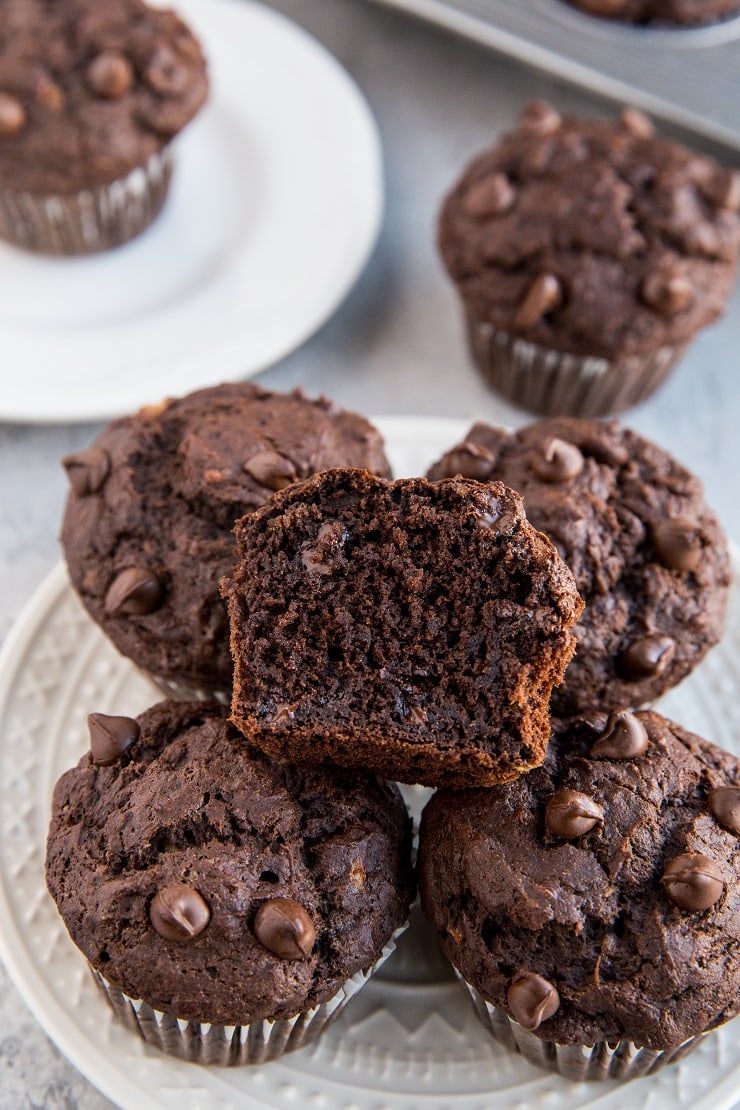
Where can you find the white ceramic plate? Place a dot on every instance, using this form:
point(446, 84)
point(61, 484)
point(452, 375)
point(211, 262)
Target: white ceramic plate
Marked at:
point(275, 206)
point(410, 1041)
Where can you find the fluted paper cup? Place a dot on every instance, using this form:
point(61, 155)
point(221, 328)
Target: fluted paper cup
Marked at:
point(556, 383)
point(231, 1045)
point(621, 1059)
point(90, 220)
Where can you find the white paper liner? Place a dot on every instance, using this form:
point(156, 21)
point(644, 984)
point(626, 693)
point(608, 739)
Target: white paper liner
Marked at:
point(555, 383)
point(92, 219)
point(603, 1060)
point(178, 690)
point(233, 1045)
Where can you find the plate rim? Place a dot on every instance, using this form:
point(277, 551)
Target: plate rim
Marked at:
point(29, 407)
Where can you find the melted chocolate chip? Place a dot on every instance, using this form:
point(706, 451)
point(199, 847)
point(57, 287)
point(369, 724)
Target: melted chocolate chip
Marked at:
point(271, 469)
point(87, 470)
point(415, 715)
point(632, 120)
point(133, 592)
point(693, 881)
point(569, 814)
point(165, 74)
point(724, 189)
point(285, 929)
point(178, 912)
point(667, 290)
point(625, 737)
point(469, 460)
point(48, 94)
point(321, 557)
point(540, 117)
point(677, 544)
point(646, 657)
point(724, 802)
point(110, 737)
point(12, 116)
point(532, 1000)
point(110, 75)
point(490, 197)
point(544, 294)
point(559, 462)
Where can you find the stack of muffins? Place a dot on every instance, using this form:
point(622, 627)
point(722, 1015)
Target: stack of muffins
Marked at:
point(494, 630)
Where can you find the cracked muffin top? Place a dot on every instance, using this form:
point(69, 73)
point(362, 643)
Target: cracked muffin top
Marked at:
point(607, 879)
point(591, 237)
point(648, 555)
point(147, 530)
point(180, 858)
point(90, 89)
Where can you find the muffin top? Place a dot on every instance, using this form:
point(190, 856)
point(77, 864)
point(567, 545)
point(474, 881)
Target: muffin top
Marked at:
point(592, 238)
point(90, 89)
point(147, 531)
point(649, 557)
point(217, 885)
point(684, 13)
point(597, 897)
point(412, 628)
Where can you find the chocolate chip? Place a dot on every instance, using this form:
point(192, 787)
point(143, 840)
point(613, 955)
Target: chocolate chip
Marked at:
point(559, 461)
point(625, 737)
point(723, 189)
point(48, 94)
point(271, 469)
point(647, 657)
point(540, 117)
point(692, 881)
point(110, 75)
point(677, 544)
point(532, 1000)
point(321, 557)
point(87, 470)
point(178, 912)
point(634, 121)
point(469, 460)
point(667, 290)
point(724, 802)
point(490, 197)
point(133, 592)
point(569, 814)
point(110, 737)
point(415, 715)
point(12, 115)
point(164, 74)
point(544, 295)
point(282, 715)
point(285, 929)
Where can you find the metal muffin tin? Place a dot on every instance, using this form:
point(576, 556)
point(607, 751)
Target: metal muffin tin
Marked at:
point(688, 76)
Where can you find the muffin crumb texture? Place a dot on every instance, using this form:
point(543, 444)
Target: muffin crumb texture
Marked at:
point(412, 628)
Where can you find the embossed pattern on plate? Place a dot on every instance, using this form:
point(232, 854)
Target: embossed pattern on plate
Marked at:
point(410, 1040)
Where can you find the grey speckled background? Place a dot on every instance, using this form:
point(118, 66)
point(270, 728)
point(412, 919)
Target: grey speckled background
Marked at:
point(394, 346)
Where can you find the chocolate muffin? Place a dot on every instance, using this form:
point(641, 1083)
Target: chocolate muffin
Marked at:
point(595, 901)
point(587, 255)
point(649, 557)
point(412, 628)
point(676, 13)
point(147, 530)
point(91, 94)
point(217, 886)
